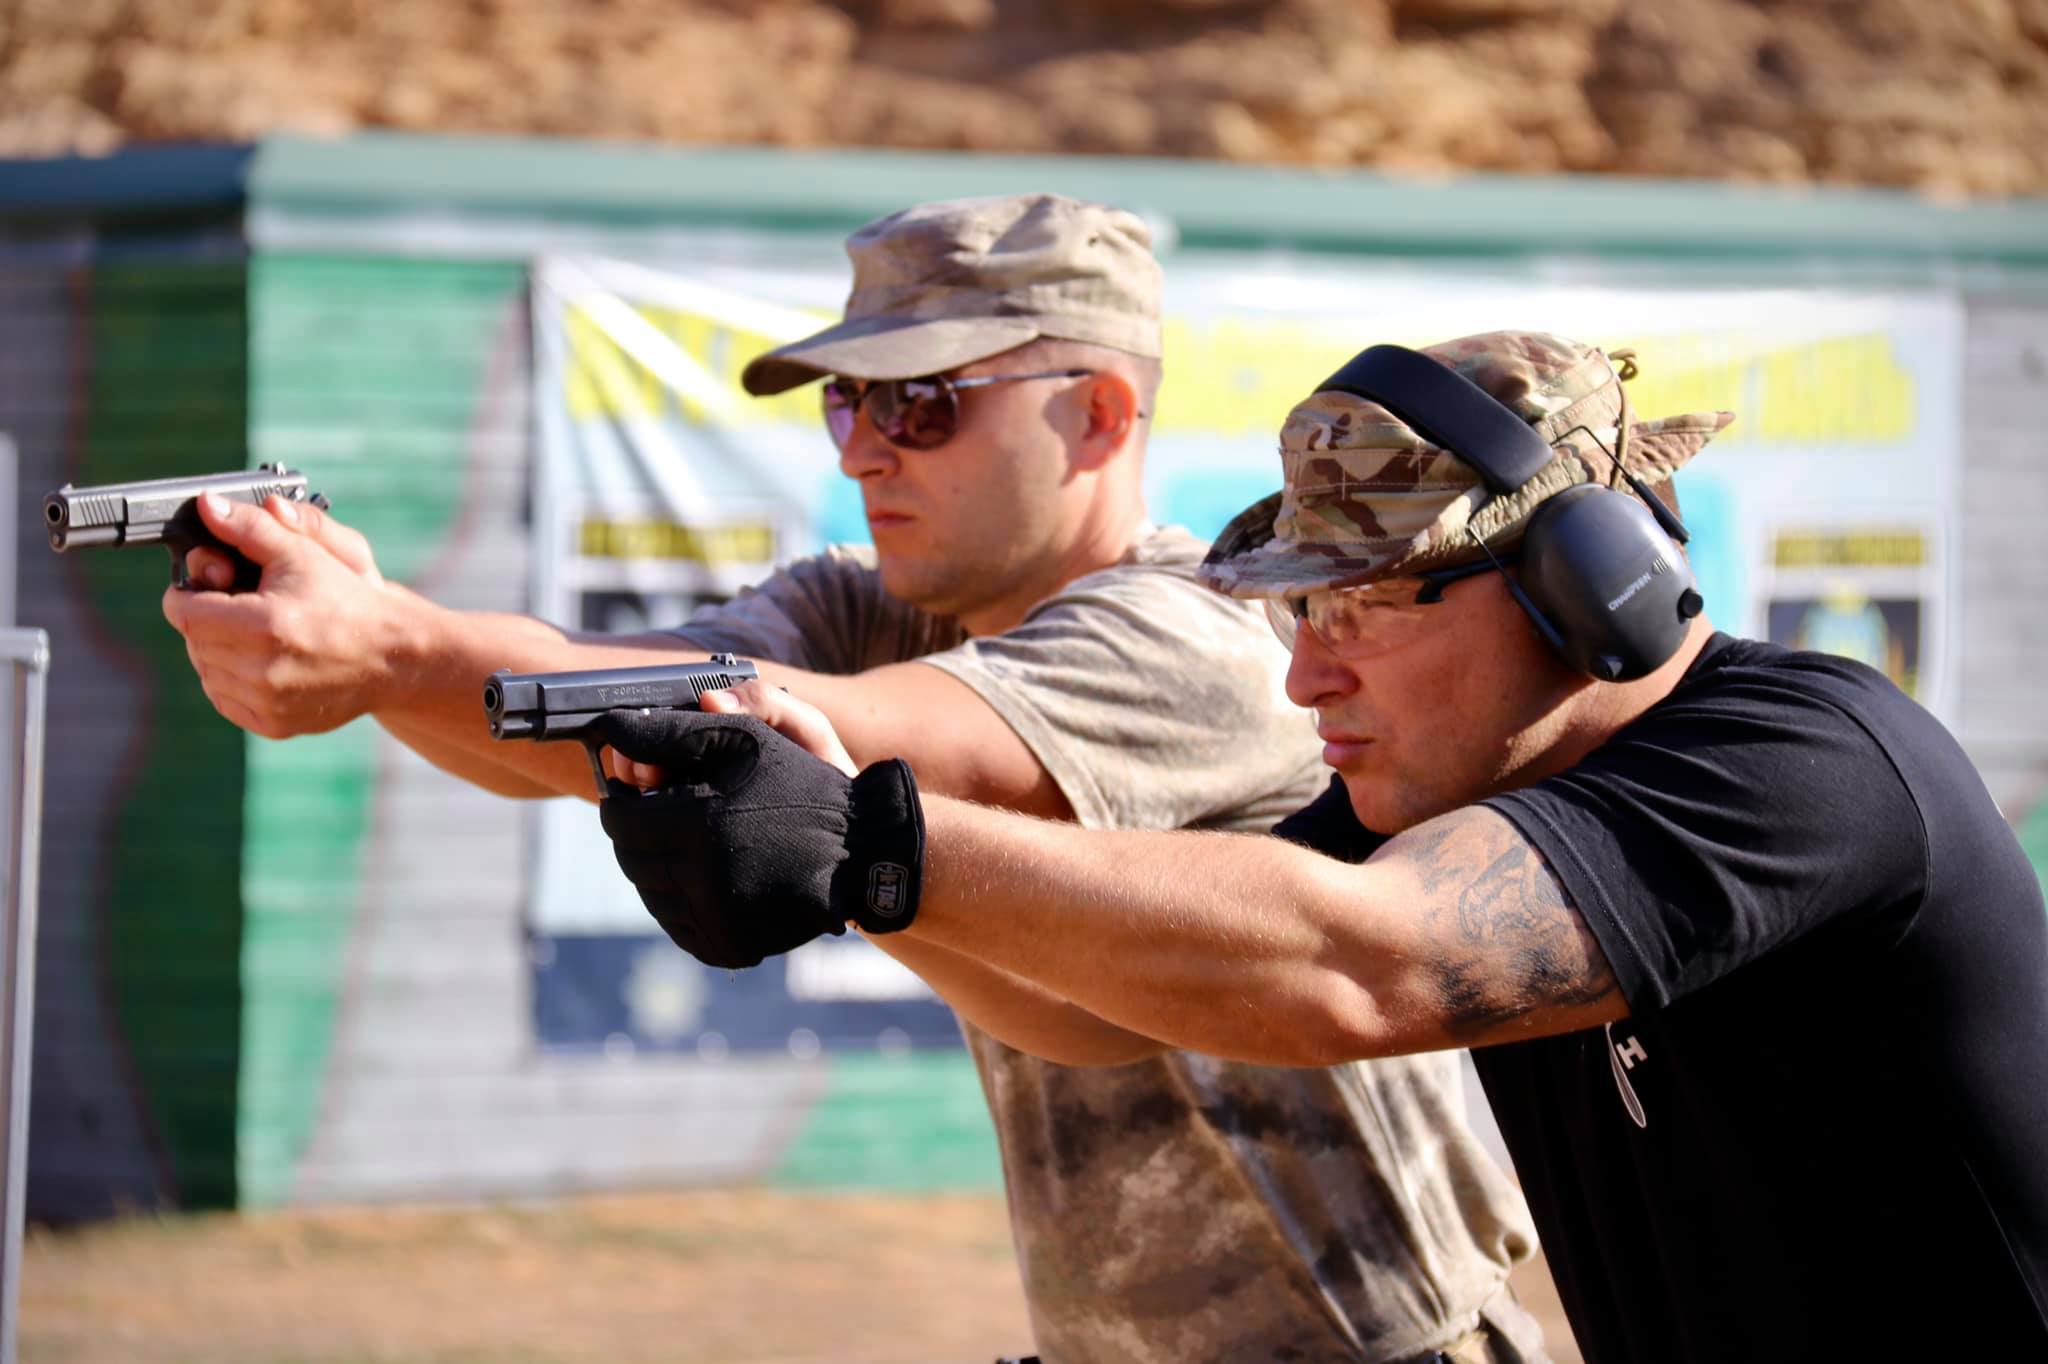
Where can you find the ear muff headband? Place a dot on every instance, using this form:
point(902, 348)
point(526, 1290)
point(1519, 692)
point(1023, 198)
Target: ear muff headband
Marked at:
point(1449, 411)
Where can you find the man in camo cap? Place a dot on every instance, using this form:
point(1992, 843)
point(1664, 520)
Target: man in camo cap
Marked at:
point(1755, 973)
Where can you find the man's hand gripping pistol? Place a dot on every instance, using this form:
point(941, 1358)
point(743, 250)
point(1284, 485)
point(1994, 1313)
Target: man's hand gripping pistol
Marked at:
point(165, 511)
point(569, 705)
point(756, 846)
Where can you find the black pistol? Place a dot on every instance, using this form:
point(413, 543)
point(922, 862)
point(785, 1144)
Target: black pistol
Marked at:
point(165, 511)
point(547, 706)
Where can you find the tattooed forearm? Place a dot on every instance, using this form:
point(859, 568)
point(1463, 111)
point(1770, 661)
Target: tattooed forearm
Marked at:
point(1505, 939)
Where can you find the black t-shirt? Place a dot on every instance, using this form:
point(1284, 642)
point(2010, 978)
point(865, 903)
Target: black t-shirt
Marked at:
point(1822, 1133)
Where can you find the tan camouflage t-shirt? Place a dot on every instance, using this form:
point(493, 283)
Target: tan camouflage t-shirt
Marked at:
point(1182, 1209)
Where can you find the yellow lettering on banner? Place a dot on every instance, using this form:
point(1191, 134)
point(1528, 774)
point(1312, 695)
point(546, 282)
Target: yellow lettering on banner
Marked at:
point(1846, 388)
point(1699, 372)
point(1842, 390)
point(696, 336)
point(603, 380)
point(579, 385)
point(1241, 376)
point(666, 540)
point(1875, 548)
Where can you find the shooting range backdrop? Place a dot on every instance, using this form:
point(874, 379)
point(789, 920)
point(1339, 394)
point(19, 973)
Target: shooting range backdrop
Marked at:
point(317, 970)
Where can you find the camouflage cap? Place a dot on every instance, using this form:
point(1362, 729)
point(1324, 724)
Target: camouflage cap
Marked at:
point(1364, 497)
point(942, 285)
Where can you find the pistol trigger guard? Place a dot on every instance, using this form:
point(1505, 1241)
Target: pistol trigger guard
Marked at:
point(592, 748)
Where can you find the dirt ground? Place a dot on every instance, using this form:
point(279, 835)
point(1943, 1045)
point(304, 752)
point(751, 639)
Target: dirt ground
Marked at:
point(699, 1278)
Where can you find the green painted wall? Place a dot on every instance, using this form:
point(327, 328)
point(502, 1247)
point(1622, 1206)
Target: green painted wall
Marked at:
point(165, 395)
point(364, 372)
point(2033, 830)
point(909, 1123)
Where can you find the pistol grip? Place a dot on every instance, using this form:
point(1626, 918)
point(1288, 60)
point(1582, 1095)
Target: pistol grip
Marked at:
point(248, 575)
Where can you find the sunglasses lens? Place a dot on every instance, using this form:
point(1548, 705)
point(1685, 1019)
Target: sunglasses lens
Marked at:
point(1358, 622)
point(1283, 614)
point(920, 414)
point(842, 399)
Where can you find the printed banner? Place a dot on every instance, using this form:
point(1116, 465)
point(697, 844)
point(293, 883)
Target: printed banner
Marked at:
point(1822, 519)
point(1864, 592)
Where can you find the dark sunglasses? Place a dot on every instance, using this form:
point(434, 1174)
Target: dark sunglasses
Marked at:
point(918, 414)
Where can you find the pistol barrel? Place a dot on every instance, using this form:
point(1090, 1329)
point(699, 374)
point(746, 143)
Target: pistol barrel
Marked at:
point(140, 513)
point(85, 537)
point(563, 705)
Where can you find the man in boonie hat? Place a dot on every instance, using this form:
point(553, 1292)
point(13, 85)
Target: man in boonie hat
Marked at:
point(1755, 974)
point(1027, 639)
point(1367, 499)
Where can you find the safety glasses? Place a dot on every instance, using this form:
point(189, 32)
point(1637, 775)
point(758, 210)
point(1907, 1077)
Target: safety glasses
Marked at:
point(1378, 618)
point(918, 414)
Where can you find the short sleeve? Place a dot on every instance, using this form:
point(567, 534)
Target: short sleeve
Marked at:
point(826, 614)
point(1153, 702)
point(1737, 817)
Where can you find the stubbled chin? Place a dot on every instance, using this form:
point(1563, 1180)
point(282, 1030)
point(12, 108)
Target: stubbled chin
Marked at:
point(906, 581)
point(1381, 809)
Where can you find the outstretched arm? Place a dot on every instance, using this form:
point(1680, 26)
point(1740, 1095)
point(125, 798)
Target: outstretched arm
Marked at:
point(1456, 933)
point(325, 639)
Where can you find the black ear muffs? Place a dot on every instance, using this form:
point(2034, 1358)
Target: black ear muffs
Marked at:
point(1615, 589)
point(1603, 578)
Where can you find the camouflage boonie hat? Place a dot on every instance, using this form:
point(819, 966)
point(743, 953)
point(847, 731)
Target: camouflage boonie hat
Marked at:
point(1364, 497)
point(942, 285)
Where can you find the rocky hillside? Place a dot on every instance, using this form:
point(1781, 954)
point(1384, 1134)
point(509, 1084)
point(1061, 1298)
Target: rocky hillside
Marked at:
point(1947, 95)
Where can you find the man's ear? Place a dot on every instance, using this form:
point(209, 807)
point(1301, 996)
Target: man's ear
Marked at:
point(1112, 416)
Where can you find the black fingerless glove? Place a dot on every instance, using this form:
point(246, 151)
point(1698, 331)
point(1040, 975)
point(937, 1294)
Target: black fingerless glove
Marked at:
point(757, 847)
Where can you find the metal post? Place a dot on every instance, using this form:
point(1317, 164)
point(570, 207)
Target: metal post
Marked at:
point(27, 654)
point(10, 465)
point(10, 567)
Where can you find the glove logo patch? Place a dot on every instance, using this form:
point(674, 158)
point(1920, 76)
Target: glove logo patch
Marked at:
point(886, 881)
